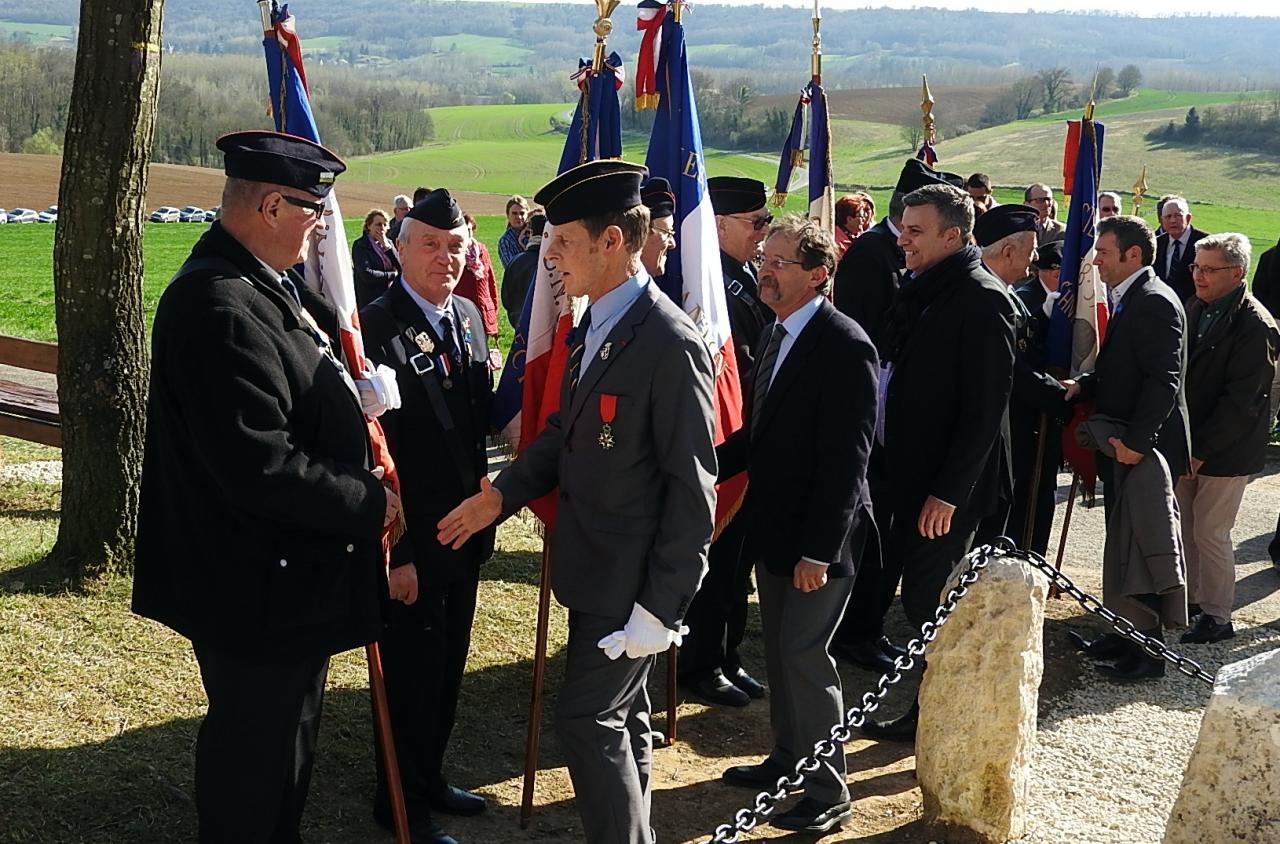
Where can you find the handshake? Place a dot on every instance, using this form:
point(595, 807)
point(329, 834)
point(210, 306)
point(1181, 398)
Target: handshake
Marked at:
point(643, 635)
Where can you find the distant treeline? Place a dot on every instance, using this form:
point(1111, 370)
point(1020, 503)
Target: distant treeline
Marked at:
point(202, 97)
point(1247, 125)
point(1052, 90)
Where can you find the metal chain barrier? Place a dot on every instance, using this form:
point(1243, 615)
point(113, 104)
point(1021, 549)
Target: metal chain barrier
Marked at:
point(746, 819)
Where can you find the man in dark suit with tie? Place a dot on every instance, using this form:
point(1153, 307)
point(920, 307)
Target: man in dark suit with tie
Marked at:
point(632, 451)
point(948, 357)
point(435, 342)
point(866, 282)
point(1137, 379)
point(1176, 247)
point(805, 445)
point(710, 666)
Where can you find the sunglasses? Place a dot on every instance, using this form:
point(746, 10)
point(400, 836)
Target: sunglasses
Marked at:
point(757, 223)
point(316, 208)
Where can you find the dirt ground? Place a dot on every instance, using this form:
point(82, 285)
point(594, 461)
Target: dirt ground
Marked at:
point(31, 181)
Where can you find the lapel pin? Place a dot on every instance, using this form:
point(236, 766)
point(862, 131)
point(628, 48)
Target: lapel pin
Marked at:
point(424, 343)
point(604, 351)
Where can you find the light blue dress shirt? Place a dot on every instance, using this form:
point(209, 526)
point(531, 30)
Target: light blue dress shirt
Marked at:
point(607, 310)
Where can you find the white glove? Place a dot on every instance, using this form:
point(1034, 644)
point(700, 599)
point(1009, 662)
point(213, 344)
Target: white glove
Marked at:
point(1050, 302)
point(644, 635)
point(379, 391)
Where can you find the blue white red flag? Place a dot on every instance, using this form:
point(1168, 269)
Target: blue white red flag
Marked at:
point(694, 279)
point(821, 190)
point(792, 152)
point(928, 154)
point(529, 389)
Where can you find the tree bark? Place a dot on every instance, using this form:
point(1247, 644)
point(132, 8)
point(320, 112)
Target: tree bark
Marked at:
point(97, 279)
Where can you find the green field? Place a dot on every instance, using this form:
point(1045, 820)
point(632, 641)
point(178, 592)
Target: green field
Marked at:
point(38, 33)
point(1149, 99)
point(324, 42)
point(26, 270)
point(496, 50)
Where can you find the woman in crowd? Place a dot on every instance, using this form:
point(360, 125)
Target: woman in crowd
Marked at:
point(855, 213)
point(374, 260)
point(478, 283)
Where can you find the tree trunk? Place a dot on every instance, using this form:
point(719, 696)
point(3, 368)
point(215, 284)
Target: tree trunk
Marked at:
point(97, 279)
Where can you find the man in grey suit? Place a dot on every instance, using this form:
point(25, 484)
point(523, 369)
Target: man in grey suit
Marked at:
point(632, 451)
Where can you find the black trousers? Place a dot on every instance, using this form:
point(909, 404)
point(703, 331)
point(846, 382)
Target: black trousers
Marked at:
point(717, 615)
point(1024, 447)
point(879, 570)
point(256, 746)
point(927, 563)
point(424, 655)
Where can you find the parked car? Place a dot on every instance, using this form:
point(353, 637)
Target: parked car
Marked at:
point(48, 215)
point(23, 215)
point(191, 214)
point(4, 216)
point(213, 213)
point(166, 214)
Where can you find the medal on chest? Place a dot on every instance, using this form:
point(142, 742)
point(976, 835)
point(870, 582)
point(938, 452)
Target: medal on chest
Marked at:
point(608, 411)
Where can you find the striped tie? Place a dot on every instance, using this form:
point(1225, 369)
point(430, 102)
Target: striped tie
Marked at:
point(579, 345)
point(764, 367)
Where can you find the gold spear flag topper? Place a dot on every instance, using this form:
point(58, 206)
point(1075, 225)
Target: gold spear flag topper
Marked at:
point(602, 27)
point(926, 106)
point(1139, 191)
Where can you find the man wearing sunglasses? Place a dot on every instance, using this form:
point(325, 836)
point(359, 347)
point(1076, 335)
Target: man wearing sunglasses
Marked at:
point(259, 531)
point(709, 663)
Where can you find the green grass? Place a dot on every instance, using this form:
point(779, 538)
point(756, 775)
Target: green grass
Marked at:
point(496, 50)
point(1149, 99)
point(26, 270)
point(38, 33)
point(324, 42)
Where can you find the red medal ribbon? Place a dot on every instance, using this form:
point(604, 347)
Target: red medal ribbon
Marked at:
point(608, 407)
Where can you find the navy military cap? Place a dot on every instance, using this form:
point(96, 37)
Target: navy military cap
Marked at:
point(735, 194)
point(656, 193)
point(438, 209)
point(280, 159)
point(916, 174)
point(597, 187)
point(1002, 221)
point(1050, 256)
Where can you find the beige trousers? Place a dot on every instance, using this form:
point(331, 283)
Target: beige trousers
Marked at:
point(1209, 506)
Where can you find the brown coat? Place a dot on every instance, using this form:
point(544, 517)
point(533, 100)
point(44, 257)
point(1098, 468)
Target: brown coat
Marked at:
point(1229, 377)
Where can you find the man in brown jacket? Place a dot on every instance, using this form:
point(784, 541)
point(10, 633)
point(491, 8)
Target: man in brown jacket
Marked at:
point(1230, 369)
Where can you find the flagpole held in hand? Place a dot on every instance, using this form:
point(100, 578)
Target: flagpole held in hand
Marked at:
point(534, 728)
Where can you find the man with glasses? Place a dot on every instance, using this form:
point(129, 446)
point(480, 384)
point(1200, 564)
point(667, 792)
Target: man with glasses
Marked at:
point(661, 202)
point(709, 663)
point(1231, 366)
point(260, 522)
point(1040, 197)
point(1109, 205)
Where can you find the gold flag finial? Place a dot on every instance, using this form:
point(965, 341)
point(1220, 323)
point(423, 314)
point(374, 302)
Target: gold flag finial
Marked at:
point(1093, 92)
point(602, 27)
point(926, 106)
point(815, 67)
point(1139, 191)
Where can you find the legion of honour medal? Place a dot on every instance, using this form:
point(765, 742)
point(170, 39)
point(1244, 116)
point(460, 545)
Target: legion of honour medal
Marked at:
point(608, 410)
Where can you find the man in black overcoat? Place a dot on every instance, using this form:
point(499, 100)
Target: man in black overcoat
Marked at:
point(259, 529)
point(435, 342)
point(947, 357)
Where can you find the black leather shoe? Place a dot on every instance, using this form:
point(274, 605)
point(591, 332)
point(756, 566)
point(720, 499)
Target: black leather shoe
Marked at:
point(1106, 646)
point(902, 728)
point(890, 649)
point(864, 653)
point(753, 687)
point(421, 831)
point(1193, 610)
point(1206, 630)
point(718, 689)
point(811, 815)
point(455, 801)
point(1133, 667)
point(764, 775)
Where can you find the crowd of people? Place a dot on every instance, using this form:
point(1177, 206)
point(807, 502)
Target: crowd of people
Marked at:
point(900, 406)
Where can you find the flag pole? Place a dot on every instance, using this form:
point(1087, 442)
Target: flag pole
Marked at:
point(816, 61)
point(1139, 191)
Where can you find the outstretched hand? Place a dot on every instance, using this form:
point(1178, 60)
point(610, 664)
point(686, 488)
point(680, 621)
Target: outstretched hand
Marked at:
point(471, 516)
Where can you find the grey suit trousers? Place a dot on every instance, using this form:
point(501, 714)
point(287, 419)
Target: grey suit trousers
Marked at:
point(602, 720)
point(805, 698)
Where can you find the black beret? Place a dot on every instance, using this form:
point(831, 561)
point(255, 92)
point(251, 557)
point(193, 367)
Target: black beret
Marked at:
point(657, 195)
point(1050, 256)
point(438, 209)
point(916, 174)
point(1002, 221)
point(280, 159)
point(597, 187)
point(735, 195)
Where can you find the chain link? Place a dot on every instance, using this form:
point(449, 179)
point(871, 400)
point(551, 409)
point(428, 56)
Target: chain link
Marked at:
point(747, 818)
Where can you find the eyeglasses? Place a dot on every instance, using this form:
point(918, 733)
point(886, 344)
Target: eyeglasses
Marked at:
point(1201, 268)
point(316, 208)
point(757, 223)
point(777, 264)
point(668, 235)
point(1040, 199)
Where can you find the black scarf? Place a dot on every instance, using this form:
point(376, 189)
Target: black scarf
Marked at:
point(916, 295)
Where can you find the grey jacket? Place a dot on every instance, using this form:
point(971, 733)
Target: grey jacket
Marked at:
point(636, 508)
point(1143, 553)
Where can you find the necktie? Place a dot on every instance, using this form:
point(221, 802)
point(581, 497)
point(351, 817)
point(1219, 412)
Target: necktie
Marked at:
point(764, 367)
point(579, 347)
point(1173, 258)
point(448, 339)
point(287, 284)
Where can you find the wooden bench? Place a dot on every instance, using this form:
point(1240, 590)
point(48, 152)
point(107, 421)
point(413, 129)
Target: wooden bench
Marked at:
point(29, 412)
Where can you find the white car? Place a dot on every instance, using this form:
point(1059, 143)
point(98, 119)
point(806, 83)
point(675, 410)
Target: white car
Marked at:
point(166, 214)
point(49, 215)
point(23, 215)
point(212, 213)
point(4, 216)
point(191, 214)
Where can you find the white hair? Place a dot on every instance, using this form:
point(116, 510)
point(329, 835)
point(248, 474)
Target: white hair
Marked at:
point(1235, 248)
point(1115, 196)
point(1014, 239)
point(1179, 201)
point(402, 201)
